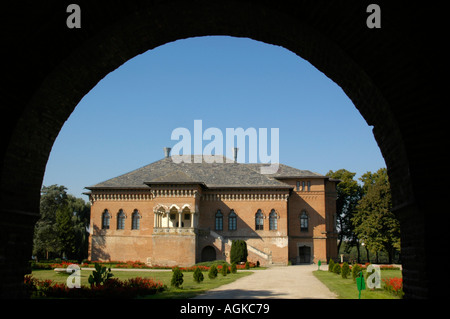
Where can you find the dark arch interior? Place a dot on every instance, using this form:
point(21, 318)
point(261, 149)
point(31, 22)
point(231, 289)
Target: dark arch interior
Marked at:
point(383, 72)
point(208, 254)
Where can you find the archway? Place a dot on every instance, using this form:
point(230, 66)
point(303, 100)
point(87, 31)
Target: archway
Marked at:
point(208, 254)
point(382, 71)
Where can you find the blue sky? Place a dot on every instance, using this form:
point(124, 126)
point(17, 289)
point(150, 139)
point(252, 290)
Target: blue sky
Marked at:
point(124, 122)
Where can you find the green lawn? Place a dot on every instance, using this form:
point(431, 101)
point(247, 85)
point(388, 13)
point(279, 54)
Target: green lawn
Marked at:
point(346, 288)
point(189, 289)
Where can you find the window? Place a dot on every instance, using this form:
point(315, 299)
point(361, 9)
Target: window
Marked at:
point(308, 185)
point(135, 219)
point(303, 186)
point(259, 220)
point(106, 217)
point(273, 220)
point(219, 220)
point(121, 220)
point(303, 221)
point(298, 187)
point(232, 218)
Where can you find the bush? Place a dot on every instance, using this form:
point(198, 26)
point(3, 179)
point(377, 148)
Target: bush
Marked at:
point(112, 288)
point(356, 269)
point(337, 268)
point(100, 275)
point(238, 251)
point(330, 265)
point(212, 272)
point(224, 270)
point(198, 275)
point(247, 265)
point(233, 268)
point(177, 277)
point(394, 286)
point(345, 270)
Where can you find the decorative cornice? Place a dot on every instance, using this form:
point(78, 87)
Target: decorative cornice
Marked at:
point(244, 196)
point(121, 195)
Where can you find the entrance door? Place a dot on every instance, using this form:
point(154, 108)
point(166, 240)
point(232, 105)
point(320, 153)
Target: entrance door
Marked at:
point(304, 252)
point(208, 253)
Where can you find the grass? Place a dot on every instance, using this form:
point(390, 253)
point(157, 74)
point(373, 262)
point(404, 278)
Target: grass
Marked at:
point(346, 288)
point(189, 289)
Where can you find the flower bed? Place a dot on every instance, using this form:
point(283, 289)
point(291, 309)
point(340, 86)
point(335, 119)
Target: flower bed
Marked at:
point(381, 267)
point(394, 285)
point(112, 288)
point(141, 265)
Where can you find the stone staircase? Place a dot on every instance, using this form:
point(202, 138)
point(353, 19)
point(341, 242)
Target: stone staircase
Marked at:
point(267, 257)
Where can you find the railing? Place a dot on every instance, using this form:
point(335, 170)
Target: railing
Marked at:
point(173, 230)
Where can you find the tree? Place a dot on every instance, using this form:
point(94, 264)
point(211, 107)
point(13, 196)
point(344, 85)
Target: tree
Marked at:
point(65, 229)
point(374, 222)
point(348, 195)
point(212, 272)
point(62, 226)
point(177, 277)
point(198, 275)
point(345, 270)
point(238, 251)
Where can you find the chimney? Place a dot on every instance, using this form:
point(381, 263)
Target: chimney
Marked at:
point(166, 151)
point(235, 152)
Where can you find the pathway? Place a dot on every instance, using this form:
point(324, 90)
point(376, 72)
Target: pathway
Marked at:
point(286, 282)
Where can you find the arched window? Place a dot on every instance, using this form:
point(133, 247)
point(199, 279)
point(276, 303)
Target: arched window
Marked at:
point(232, 220)
point(273, 220)
point(106, 217)
point(219, 220)
point(303, 221)
point(259, 220)
point(121, 220)
point(135, 219)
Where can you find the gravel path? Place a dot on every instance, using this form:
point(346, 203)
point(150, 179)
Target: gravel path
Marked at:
point(285, 282)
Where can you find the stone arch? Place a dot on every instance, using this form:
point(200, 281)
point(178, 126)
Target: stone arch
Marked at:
point(174, 207)
point(160, 208)
point(208, 253)
point(383, 72)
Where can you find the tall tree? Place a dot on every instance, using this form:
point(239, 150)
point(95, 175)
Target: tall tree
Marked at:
point(62, 226)
point(348, 195)
point(374, 222)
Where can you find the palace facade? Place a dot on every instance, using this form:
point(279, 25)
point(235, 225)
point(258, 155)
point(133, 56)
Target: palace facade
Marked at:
point(180, 214)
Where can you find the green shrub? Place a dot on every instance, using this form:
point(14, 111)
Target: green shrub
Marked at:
point(356, 269)
point(330, 265)
point(224, 270)
point(100, 275)
point(177, 277)
point(198, 275)
point(247, 265)
point(345, 270)
point(238, 251)
point(337, 268)
point(212, 272)
point(233, 268)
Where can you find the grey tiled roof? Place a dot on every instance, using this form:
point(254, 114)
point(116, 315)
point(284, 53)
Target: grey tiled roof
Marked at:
point(285, 171)
point(209, 174)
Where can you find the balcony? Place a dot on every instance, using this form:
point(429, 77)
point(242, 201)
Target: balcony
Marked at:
point(174, 230)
